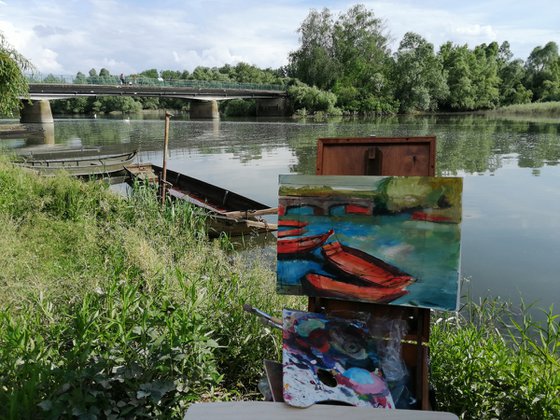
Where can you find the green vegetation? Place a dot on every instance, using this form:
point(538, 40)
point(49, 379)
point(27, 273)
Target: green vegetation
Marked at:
point(119, 308)
point(494, 363)
point(537, 109)
point(13, 83)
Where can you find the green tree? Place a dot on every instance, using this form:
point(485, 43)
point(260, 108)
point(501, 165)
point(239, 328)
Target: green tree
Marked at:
point(13, 84)
point(419, 78)
point(484, 73)
point(314, 62)
point(457, 61)
point(543, 72)
point(511, 74)
point(361, 48)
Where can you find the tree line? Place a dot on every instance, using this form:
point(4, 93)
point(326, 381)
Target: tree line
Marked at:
point(344, 65)
point(349, 56)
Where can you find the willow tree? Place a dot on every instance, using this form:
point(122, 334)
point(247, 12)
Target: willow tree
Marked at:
point(13, 84)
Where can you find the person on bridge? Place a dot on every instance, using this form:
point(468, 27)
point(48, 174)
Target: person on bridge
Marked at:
point(122, 79)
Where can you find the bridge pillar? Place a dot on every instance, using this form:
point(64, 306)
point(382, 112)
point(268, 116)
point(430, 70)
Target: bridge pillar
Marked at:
point(204, 109)
point(36, 112)
point(274, 107)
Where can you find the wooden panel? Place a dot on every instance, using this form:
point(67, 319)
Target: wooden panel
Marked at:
point(389, 156)
point(247, 410)
point(399, 156)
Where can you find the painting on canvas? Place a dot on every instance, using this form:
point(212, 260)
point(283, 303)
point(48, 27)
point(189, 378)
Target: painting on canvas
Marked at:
point(330, 359)
point(379, 239)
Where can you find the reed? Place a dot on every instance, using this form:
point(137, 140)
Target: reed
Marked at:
point(492, 361)
point(536, 109)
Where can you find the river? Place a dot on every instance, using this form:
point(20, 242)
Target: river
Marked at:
point(511, 170)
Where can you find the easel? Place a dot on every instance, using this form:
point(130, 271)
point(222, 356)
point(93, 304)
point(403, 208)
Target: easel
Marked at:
point(403, 156)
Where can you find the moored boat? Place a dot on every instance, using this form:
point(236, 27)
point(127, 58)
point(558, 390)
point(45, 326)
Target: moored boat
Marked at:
point(76, 164)
point(363, 268)
point(227, 211)
point(300, 246)
point(324, 286)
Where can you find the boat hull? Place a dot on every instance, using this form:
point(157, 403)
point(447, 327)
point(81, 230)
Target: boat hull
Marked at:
point(293, 248)
point(362, 268)
point(218, 203)
point(89, 165)
point(324, 286)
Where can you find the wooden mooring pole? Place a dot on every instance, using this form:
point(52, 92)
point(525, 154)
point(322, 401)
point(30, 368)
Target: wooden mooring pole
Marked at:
point(164, 165)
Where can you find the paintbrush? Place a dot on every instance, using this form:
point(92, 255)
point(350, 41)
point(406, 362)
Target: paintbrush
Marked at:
point(264, 317)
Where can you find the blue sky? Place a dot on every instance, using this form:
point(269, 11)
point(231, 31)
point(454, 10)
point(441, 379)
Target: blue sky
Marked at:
point(63, 37)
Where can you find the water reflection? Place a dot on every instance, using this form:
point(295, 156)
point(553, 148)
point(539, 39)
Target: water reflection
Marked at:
point(511, 170)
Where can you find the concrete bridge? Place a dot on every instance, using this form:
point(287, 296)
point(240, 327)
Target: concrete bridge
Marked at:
point(326, 205)
point(204, 96)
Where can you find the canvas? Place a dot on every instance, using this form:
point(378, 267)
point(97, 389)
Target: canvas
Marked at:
point(379, 239)
point(330, 359)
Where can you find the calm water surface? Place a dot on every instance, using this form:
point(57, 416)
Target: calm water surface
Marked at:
point(511, 170)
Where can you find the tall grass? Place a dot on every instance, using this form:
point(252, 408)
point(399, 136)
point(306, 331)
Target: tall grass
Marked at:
point(536, 109)
point(119, 308)
point(493, 362)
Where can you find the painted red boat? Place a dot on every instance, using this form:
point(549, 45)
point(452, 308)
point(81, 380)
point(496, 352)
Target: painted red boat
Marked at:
point(363, 268)
point(291, 223)
point(303, 245)
point(357, 209)
point(431, 217)
point(291, 232)
point(319, 285)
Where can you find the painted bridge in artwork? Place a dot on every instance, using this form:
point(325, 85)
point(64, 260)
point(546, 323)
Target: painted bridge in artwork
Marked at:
point(323, 206)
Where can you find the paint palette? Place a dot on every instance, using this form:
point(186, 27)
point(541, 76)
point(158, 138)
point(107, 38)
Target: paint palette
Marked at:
point(330, 359)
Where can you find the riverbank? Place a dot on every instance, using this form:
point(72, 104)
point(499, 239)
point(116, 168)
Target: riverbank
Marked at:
point(114, 307)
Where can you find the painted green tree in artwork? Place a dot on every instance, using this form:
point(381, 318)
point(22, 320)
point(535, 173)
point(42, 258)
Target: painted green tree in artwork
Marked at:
point(13, 84)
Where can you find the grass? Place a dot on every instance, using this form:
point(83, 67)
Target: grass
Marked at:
point(536, 109)
point(492, 362)
point(118, 308)
point(114, 308)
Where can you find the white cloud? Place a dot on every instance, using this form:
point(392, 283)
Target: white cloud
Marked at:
point(476, 30)
point(131, 36)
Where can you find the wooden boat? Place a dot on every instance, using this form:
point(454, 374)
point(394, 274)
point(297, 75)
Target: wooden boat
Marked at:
point(75, 164)
point(431, 217)
point(228, 212)
point(300, 246)
point(319, 285)
point(291, 223)
point(291, 232)
point(363, 268)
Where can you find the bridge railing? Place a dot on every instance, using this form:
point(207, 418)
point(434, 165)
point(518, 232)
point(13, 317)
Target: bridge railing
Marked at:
point(112, 80)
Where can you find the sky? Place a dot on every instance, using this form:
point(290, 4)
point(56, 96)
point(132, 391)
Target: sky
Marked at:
point(126, 36)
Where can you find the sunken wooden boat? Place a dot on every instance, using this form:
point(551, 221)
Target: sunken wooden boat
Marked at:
point(76, 164)
point(227, 211)
point(323, 286)
point(293, 248)
point(362, 268)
